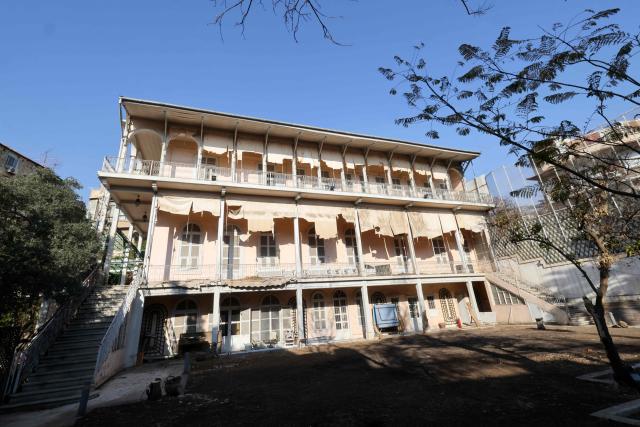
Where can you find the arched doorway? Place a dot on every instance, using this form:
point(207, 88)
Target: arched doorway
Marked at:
point(152, 333)
point(231, 252)
point(233, 323)
point(448, 306)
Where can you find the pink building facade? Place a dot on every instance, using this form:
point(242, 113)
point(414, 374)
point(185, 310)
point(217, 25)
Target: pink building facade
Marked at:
point(263, 234)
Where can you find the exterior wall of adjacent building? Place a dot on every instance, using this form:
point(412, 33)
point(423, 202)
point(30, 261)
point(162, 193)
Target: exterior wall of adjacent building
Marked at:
point(13, 163)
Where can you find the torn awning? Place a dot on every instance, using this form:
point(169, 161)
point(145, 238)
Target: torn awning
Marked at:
point(353, 159)
point(323, 217)
point(181, 205)
point(401, 165)
point(425, 224)
point(217, 143)
point(251, 144)
point(447, 222)
point(259, 213)
point(384, 221)
point(258, 282)
point(278, 152)
point(472, 221)
point(332, 159)
point(440, 172)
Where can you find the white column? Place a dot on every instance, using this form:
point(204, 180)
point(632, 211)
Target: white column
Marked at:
point(150, 230)
point(112, 234)
point(234, 155)
point(296, 243)
point(412, 178)
point(125, 261)
point(359, 242)
point(199, 161)
point(412, 249)
point(364, 171)
point(364, 292)
point(132, 157)
point(300, 314)
point(265, 154)
point(122, 152)
point(389, 177)
point(458, 235)
point(487, 288)
point(472, 297)
point(139, 244)
point(422, 305)
point(220, 237)
point(215, 319)
point(294, 164)
point(343, 176)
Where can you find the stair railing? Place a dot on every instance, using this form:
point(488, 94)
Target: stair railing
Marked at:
point(27, 355)
point(113, 340)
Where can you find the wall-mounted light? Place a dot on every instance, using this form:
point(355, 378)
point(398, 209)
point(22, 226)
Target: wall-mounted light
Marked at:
point(137, 202)
point(144, 217)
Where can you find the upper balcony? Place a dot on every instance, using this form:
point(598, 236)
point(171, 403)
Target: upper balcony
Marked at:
point(320, 186)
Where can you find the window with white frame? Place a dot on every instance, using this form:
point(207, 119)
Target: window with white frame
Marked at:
point(401, 252)
point(231, 251)
point(504, 297)
point(190, 245)
point(268, 252)
point(269, 320)
point(431, 302)
point(319, 313)
point(340, 310)
point(350, 243)
point(440, 250)
point(185, 317)
point(316, 248)
point(414, 311)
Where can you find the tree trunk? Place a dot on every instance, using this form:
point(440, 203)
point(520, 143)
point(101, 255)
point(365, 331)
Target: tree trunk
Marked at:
point(621, 371)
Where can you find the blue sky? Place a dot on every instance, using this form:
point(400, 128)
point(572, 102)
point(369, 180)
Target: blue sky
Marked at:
point(63, 65)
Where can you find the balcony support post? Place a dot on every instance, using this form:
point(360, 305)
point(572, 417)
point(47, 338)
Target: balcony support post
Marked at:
point(460, 245)
point(364, 292)
point(343, 171)
point(234, 154)
point(132, 157)
point(200, 146)
point(125, 261)
point(358, 242)
point(296, 240)
point(412, 249)
point(294, 161)
point(115, 213)
point(422, 306)
point(153, 214)
point(220, 236)
point(472, 297)
point(165, 143)
point(412, 177)
point(215, 319)
point(265, 157)
point(320, 145)
point(300, 315)
point(365, 177)
point(431, 182)
point(449, 185)
point(390, 170)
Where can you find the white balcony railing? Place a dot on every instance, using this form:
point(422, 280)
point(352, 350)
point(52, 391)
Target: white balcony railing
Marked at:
point(276, 179)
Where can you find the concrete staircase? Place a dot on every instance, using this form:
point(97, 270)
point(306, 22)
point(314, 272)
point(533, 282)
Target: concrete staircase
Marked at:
point(69, 363)
point(534, 294)
point(578, 315)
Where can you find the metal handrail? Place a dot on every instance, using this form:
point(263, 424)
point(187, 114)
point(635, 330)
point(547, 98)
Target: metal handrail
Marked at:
point(25, 359)
point(278, 179)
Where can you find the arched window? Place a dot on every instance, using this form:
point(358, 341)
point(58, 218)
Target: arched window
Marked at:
point(340, 310)
point(186, 317)
point(270, 320)
point(316, 248)
point(378, 298)
point(190, 242)
point(319, 314)
point(350, 242)
point(231, 252)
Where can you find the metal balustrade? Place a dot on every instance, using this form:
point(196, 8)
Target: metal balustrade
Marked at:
point(276, 179)
point(331, 269)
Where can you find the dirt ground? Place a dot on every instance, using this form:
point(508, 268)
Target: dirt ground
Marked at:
point(495, 376)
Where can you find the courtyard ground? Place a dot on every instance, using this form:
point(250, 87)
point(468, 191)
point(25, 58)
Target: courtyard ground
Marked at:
point(513, 375)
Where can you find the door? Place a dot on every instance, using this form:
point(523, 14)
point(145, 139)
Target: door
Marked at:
point(415, 320)
point(152, 340)
point(231, 253)
point(341, 319)
point(230, 329)
point(401, 254)
point(448, 306)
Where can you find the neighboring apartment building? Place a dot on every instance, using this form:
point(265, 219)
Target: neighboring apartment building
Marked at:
point(13, 163)
point(262, 234)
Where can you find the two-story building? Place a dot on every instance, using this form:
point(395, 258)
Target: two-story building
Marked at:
point(268, 234)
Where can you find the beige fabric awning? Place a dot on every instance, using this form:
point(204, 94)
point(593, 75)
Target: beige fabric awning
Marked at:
point(353, 159)
point(448, 222)
point(250, 144)
point(377, 159)
point(259, 214)
point(332, 159)
point(180, 205)
point(425, 224)
point(401, 165)
point(472, 221)
point(375, 219)
point(422, 168)
point(217, 143)
point(277, 152)
point(324, 218)
point(259, 282)
point(440, 172)
point(349, 214)
point(307, 154)
point(398, 223)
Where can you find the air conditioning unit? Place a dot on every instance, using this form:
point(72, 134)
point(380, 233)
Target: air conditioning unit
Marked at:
point(214, 177)
point(11, 170)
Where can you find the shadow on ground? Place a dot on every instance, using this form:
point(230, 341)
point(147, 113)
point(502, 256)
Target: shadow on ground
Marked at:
point(508, 375)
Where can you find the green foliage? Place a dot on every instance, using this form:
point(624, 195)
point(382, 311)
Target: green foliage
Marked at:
point(47, 246)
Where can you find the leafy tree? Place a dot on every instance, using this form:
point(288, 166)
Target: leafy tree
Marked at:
point(47, 247)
